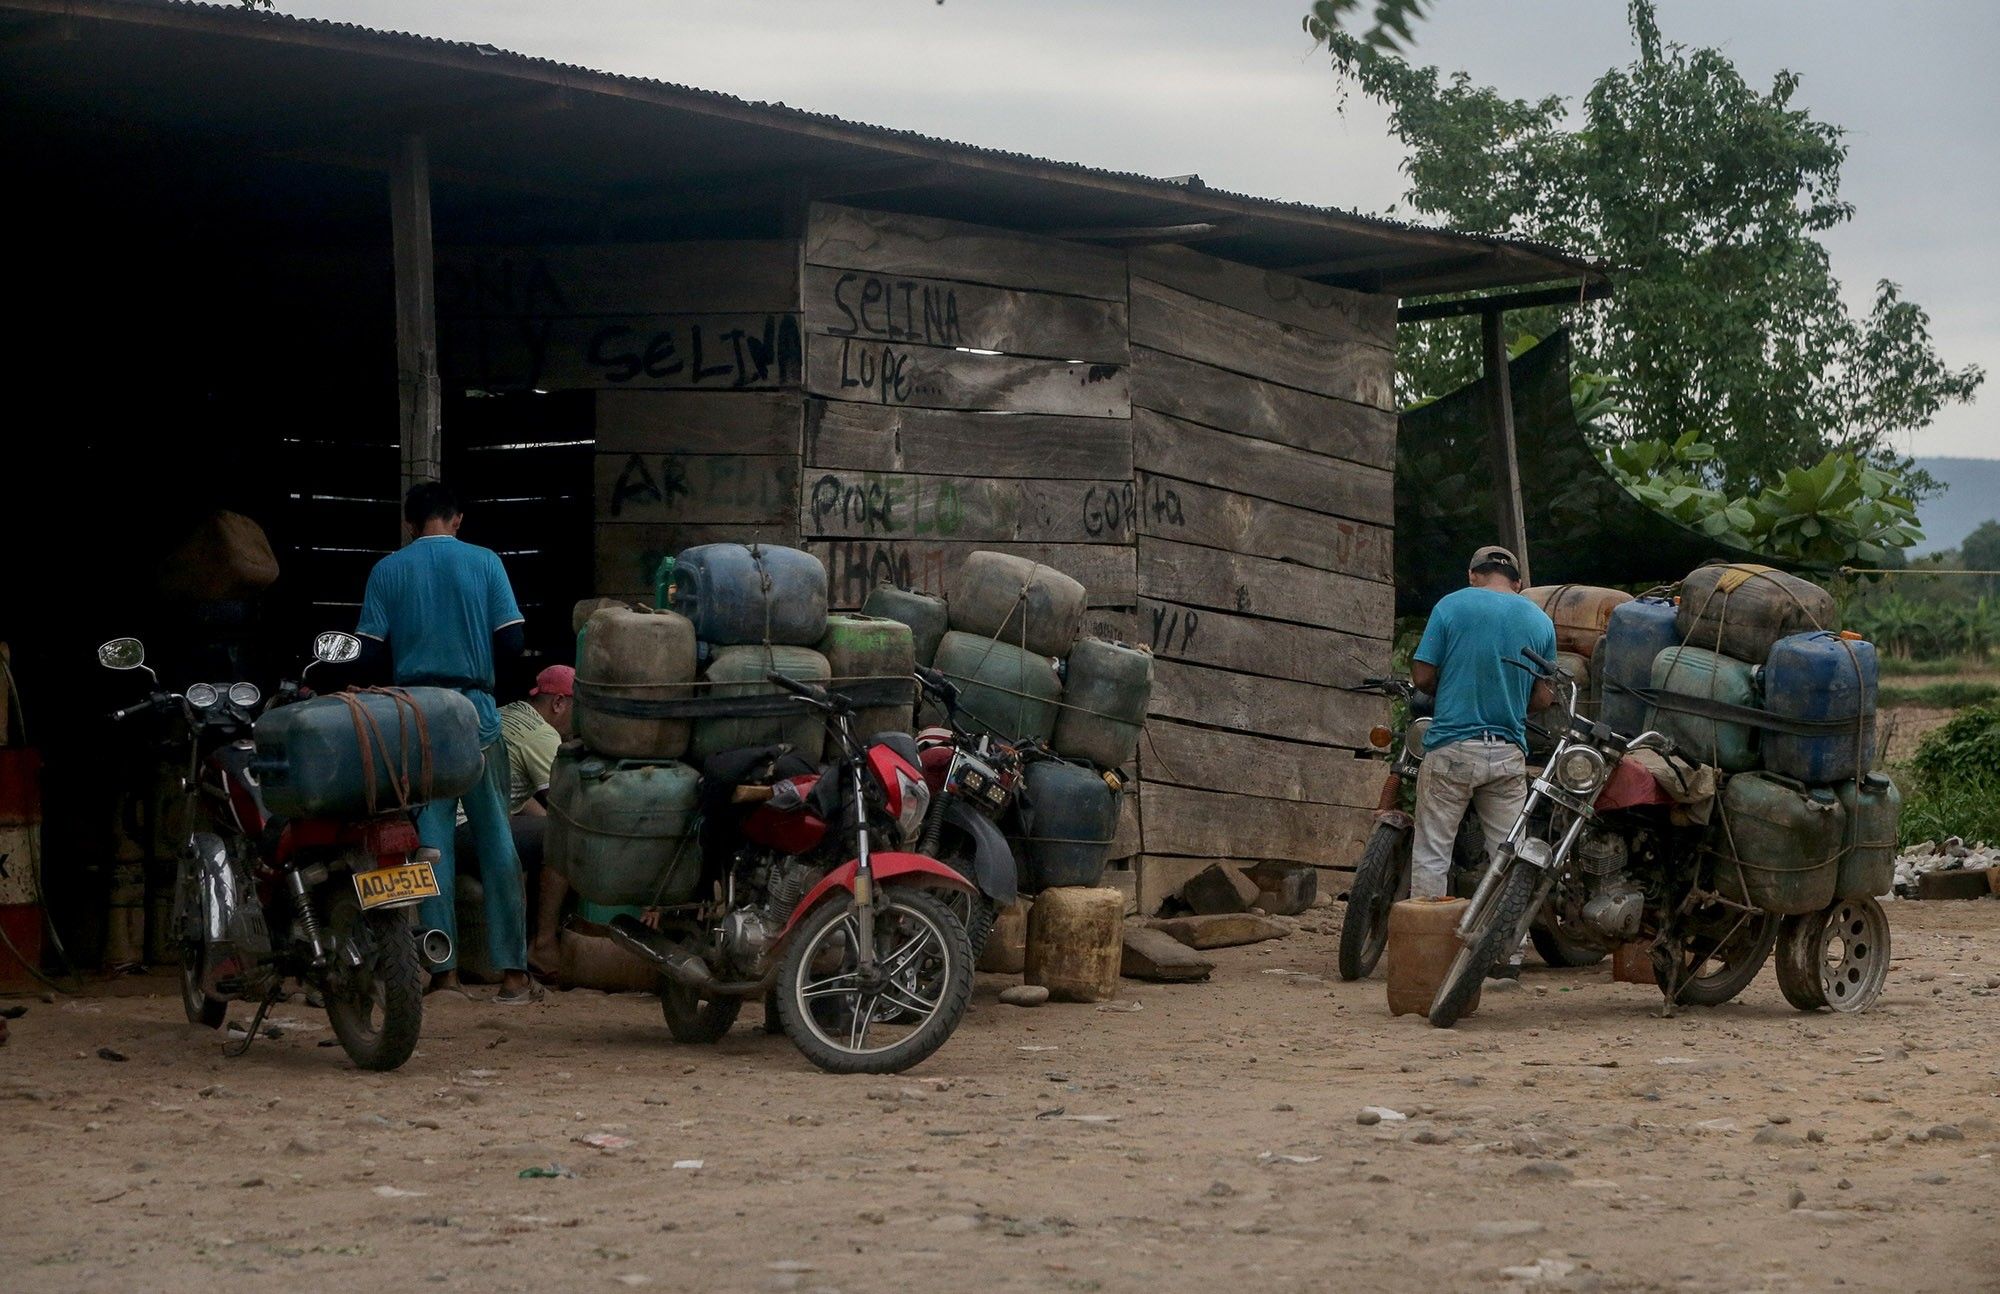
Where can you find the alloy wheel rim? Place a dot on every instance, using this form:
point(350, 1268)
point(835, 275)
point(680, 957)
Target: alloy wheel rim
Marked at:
point(913, 963)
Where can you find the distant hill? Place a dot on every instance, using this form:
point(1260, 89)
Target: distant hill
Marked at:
point(1974, 497)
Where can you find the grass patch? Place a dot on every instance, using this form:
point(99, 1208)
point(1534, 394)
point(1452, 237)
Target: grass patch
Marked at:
point(1957, 772)
point(1955, 695)
point(1894, 667)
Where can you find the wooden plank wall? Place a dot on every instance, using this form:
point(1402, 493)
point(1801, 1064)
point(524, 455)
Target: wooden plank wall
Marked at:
point(694, 354)
point(1263, 453)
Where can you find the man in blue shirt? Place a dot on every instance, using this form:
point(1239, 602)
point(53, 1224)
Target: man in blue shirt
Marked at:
point(443, 614)
point(1476, 752)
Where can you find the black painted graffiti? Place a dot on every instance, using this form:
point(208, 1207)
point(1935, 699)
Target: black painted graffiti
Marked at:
point(890, 375)
point(498, 286)
point(854, 569)
point(896, 310)
point(1163, 502)
point(659, 482)
point(1110, 511)
point(1170, 623)
point(887, 505)
point(735, 357)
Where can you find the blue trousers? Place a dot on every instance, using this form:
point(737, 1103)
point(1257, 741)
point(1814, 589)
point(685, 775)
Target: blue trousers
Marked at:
point(499, 866)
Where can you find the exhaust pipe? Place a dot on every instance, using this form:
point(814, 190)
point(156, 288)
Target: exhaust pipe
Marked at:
point(673, 961)
point(434, 946)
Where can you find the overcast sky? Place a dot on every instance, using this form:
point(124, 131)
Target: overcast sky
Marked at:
point(1231, 90)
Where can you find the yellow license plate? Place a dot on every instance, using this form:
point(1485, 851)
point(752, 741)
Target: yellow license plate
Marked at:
point(389, 885)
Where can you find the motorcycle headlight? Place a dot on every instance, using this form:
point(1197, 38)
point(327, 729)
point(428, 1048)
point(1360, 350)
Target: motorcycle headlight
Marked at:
point(1580, 770)
point(244, 695)
point(201, 696)
point(915, 794)
point(1413, 737)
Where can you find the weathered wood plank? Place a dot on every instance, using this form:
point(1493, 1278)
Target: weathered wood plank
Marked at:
point(698, 422)
point(1210, 824)
point(666, 352)
point(1259, 706)
point(1284, 770)
point(1257, 586)
point(627, 554)
point(869, 505)
point(854, 566)
point(1220, 518)
point(1331, 312)
point(1228, 401)
point(1112, 624)
point(939, 312)
point(618, 279)
point(1185, 451)
point(1306, 654)
point(1194, 329)
point(1161, 876)
point(707, 489)
point(884, 438)
point(937, 377)
point(888, 243)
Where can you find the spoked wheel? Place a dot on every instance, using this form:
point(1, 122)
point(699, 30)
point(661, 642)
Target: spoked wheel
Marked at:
point(1379, 878)
point(896, 1014)
point(376, 1007)
point(208, 1012)
point(974, 910)
point(691, 1017)
point(1715, 957)
point(1837, 958)
point(1489, 942)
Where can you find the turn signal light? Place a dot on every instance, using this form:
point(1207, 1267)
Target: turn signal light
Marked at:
point(1378, 737)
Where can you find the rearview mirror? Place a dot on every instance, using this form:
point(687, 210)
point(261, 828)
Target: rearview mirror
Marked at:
point(335, 648)
point(122, 653)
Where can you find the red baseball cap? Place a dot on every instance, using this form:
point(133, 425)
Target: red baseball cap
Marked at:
point(556, 680)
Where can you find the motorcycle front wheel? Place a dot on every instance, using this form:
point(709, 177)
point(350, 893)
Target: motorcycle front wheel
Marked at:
point(1491, 940)
point(376, 1007)
point(896, 1014)
point(1379, 878)
point(200, 1008)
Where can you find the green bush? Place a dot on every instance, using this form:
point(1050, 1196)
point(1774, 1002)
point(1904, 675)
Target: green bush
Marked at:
point(1957, 790)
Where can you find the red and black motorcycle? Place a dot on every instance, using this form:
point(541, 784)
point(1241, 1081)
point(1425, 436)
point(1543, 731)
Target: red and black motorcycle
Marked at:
point(259, 902)
point(974, 778)
point(867, 968)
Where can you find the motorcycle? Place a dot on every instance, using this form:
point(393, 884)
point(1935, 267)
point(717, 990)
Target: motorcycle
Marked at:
point(867, 968)
point(1597, 835)
point(974, 778)
point(1382, 875)
point(262, 901)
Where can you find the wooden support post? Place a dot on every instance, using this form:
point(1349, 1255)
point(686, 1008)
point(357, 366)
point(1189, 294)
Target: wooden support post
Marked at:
point(418, 395)
point(1508, 518)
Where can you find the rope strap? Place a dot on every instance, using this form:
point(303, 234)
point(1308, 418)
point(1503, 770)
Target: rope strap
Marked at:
point(409, 715)
point(1750, 716)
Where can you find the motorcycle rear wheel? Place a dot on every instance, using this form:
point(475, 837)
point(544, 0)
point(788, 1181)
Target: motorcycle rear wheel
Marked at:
point(693, 1018)
point(829, 1010)
point(1381, 875)
point(1492, 940)
point(1836, 958)
point(377, 1010)
point(1734, 956)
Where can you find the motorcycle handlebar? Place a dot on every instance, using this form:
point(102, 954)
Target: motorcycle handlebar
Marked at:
point(157, 701)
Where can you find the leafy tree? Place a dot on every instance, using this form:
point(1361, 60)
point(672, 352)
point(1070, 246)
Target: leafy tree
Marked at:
point(1706, 196)
point(1389, 33)
point(1981, 552)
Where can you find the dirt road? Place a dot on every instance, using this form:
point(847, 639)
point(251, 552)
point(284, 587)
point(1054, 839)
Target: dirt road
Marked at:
point(1564, 1134)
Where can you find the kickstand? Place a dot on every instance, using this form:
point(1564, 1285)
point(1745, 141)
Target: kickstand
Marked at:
point(232, 1049)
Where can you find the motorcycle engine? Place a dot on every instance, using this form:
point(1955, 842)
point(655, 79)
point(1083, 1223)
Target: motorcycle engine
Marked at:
point(747, 934)
point(1616, 902)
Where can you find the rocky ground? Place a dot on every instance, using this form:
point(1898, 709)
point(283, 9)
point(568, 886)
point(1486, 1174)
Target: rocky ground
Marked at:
point(1565, 1137)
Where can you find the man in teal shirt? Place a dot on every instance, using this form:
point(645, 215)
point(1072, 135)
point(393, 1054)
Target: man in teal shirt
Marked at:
point(1476, 752)
point(444, 614)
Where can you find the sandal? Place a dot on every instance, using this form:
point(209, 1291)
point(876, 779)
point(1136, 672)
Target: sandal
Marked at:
point(521, 996)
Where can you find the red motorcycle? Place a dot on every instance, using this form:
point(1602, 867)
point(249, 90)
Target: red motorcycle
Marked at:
point(868, 970)
point(259, 902)
point(974, 778)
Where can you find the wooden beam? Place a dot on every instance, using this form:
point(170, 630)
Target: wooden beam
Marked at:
point(1595, 290)
point(1141, 233)
point(1508, 518)
point(418, 394)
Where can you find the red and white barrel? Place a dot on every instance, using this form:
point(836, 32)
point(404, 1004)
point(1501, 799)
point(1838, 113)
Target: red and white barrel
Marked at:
point(20, 864)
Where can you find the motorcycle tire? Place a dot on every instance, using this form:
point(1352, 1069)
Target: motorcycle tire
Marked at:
point(208, 1012)
point(377, 1011)
point(1382, 873)
point(1735, 975)
point(692, 1018)
point(974, 910)
point(935, 970)
point(1811, 976)
point(1559, 949)
point(1493, 940)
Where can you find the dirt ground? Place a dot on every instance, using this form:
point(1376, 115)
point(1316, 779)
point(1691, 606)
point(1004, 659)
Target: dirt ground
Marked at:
point(1565, 1134)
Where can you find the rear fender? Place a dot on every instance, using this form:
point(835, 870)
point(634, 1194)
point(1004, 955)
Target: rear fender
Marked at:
point(993, 866)
point(889, 869)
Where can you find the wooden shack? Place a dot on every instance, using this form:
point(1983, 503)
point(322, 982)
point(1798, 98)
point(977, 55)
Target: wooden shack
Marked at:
point(289, 266)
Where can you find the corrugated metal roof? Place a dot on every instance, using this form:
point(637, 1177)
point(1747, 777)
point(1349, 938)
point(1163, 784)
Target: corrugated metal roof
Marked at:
point(1525, 260)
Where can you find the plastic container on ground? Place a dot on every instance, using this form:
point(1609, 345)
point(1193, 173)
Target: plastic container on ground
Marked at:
point(1874, 811)
point(928, 617)
point(1636, 633)
point(739, 672)
point(1001, 689)
point(1580, 612)
point(871, 657)
point(1777, 843)
point(1018, 601)
point(309, 755)
point(1693, 672)
point(1104, 702)
point(1423, 942)
point(627, 660)
point(1067, 815)
point(1742, 610)
point(1821, 675)
point(621, 830)
point(739, 594)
